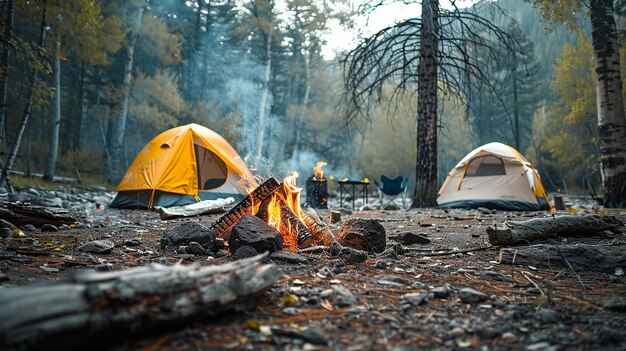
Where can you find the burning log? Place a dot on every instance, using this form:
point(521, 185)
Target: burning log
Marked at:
point(246, 206)
point(91, 308)
point(295, 233)
point(321, 233)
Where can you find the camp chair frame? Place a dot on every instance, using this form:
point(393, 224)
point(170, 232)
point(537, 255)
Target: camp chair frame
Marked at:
point(391, 190)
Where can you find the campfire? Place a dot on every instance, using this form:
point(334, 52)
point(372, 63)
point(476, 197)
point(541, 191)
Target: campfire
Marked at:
point(317, 188)
point(278, 204)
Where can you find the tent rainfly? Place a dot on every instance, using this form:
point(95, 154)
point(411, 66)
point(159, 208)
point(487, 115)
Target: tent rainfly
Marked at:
point(495, 176)
point(182, 166)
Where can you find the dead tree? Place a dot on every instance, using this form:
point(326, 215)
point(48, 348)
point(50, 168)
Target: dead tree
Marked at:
point(92, 308)
point(437, 52)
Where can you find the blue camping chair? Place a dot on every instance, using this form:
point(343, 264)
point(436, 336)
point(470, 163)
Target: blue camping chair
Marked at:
point(391, 190)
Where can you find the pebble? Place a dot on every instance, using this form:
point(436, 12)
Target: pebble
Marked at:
point(616, 305)
point(313, 334)
point(441, 292)
point(415, 299)
point(97, 246)
point(289, 257)
point(4, 277)
point(49, 228)
point(412, 238)
point(469, 295)
point(342, 296)
point(195, 248)
point(132, 242)
point(547, 315)
point(508, 337)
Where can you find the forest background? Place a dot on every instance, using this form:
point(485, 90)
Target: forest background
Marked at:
point(98, 79)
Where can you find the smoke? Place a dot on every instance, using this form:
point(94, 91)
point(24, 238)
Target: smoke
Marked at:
point(237, 85)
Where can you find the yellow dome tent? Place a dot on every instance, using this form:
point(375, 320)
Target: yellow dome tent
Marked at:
point(494, 175)
point(181, 166)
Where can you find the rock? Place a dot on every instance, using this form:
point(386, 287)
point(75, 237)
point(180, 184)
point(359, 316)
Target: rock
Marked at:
point(4, 278)
point(325, 272)
point(49, 228)
point(289, 257)
point(31, 228)
point(615, 305)
point(220, 244)
point(415, 299)
point(547, 315)
point(352, 256)
point(483, 210)
point(412, 238)
point(441, 292)
point(508, 337)
point(253, 231)
point(363, 234)
point(64, 227)
point(313, 334)
point(244, 251)
point(186, 233)
point(221, 253)
point(7, 224)
point(132, 242)
point(469, 295)
point(342, 297)
point(97, 246)
point(51, 202)
point(195, 248)
point(389, 254)
point(539, 346)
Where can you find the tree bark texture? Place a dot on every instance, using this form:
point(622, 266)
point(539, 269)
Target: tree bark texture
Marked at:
point(426, 168)
point(611, 120)
point(27, 107)
point(53, 145)
point(92, 308)
point(117, 166)
point(582, 257)
point(516, 233)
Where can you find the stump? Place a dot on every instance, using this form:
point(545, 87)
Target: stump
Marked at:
point(363, 234)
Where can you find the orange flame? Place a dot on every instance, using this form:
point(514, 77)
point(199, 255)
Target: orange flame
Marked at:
point(319, 173)
point(288, 196)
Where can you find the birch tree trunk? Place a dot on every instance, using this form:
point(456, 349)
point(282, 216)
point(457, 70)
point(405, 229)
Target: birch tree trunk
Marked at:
point(116, 162)
point(611, 120)
point(27, 107)
point(263, 109)
point(53, 145)
point(426, 169)
point(4, 73)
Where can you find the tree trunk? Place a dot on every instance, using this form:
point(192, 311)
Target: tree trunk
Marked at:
point(82, 96)
point(263, 110)
point(53, 145)
point(426, 169)
point(117, 167)
point(611, 120)
point(303, 106)
point(27, 108)
point(4, 71)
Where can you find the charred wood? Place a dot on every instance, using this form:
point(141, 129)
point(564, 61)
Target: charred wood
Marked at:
point(246, 206)
point(523, 232)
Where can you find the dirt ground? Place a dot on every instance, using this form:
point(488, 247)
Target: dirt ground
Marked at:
point(527, 307)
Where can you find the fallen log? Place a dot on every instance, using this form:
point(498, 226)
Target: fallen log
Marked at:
point(246, 206)
point(200, 208)
point(523, 232)
point(581, 257)
point(22, 214)
point(99, 307)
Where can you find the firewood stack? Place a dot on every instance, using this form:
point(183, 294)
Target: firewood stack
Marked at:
point(299, 230)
